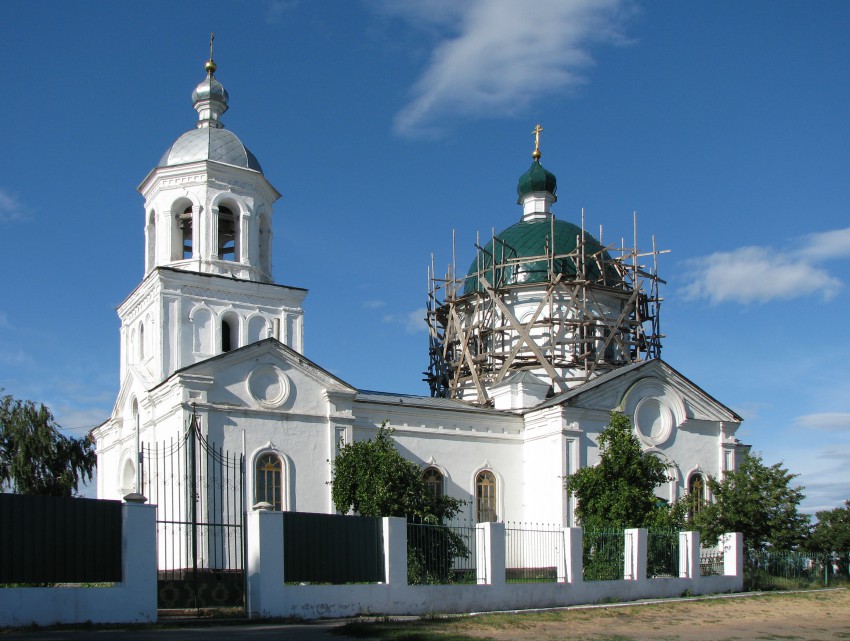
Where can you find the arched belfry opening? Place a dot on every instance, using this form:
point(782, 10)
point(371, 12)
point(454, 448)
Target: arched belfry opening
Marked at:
point(182, 244)
point(228, 234)
point(229, 332)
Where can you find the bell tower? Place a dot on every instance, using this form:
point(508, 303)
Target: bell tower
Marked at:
point(207, 286)
point(208, 203)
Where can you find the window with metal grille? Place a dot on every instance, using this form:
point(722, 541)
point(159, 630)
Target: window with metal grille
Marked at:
point(696, 494)
point(434, 481)
point(268, 481)
point(485, 497)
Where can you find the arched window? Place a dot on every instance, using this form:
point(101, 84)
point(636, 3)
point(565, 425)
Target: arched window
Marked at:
point(485, 497)
point(268, 480)
point(229, 333)
point(434, 481)
point(257, 329)
point(696, 494)
point(228, 234)
point(202, 324)
point(141, 341)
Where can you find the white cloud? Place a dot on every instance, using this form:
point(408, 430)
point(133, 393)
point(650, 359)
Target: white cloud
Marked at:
point(373, 304)
point(826, 245)
point(277, 9)
point(504, 54)
point(830, 421)
point(413, 322)
point(761, 274)
point(10, 208)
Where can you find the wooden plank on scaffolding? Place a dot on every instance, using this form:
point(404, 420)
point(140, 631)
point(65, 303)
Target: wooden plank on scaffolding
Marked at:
point(518, 345)
point(520, 329)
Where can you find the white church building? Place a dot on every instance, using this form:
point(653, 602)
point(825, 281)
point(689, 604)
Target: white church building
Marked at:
point(530, 351)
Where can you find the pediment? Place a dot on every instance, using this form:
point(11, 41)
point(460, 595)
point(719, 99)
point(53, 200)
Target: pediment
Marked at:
point(627, 388)
point(266, 375)
point(132, 385)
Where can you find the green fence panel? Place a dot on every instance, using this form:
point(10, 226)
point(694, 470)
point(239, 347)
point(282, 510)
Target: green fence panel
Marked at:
point(603, 555)
point(47, 539)
point(329, 548)
point(662, 553)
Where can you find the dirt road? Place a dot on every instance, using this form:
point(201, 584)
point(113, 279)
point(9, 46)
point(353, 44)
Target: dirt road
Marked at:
point(819, 616)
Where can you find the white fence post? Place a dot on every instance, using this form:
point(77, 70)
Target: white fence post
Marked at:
point(573, 555)
point(395, 550)
point(689, 552)
point(264, 562)
point(138, 557)
point(490, 561)
point(635, 554)
point(733, 554)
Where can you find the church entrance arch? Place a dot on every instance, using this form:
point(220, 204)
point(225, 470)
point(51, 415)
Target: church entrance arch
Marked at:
point(198, 489)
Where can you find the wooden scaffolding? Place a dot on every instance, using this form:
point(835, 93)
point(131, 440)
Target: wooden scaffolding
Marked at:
point(593, 311)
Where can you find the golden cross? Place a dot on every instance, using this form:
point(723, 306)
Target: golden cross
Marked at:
point(536, 132)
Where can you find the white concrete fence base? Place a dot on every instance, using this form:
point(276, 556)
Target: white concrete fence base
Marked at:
point(134, 599)
point(269, 597)
point(131, 601)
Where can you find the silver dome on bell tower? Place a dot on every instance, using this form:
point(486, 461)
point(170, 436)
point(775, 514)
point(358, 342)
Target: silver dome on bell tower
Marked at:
point(210, 140)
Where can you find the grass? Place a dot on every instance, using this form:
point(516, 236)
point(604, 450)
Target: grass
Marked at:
point(533, 626)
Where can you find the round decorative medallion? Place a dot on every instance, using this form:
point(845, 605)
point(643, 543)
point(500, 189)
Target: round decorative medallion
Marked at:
point(653, 421)
point(268, 385)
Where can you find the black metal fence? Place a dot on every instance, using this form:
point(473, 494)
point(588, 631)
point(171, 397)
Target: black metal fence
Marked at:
point(603, 555)
point(787, 569)
point(534, 553)
point(330, 548)
point(197, 487)
point(662, 553)
point(46, 539)
point(441, 553)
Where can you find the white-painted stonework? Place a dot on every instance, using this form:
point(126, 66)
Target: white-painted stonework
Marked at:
point(207, 331)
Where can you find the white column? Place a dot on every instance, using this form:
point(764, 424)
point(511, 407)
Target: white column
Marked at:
point(635, 554)
point(395, 550)
point(264, 562)
point(138, 558)
point(490, 561)
point(573, 555)
point(689, 551)
point(733, 554)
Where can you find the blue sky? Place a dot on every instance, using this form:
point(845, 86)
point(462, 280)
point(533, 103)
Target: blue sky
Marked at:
point(387, 124)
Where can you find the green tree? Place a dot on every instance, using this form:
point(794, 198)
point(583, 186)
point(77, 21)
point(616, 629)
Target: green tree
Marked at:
point(832, 531)
point(373, 479)
point(831, 534)
point(35, 458)
point(619, 492)
point(757, 501)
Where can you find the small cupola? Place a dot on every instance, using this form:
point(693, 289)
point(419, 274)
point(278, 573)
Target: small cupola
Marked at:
point(210, 97)
point(536, 187)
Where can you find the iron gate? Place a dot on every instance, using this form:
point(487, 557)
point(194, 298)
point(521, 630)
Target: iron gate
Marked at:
point(198, 490)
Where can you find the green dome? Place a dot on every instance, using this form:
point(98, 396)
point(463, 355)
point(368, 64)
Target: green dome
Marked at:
point(528, 239)
point(536, 179)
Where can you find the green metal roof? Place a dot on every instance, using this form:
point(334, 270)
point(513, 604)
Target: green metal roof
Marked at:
point(536, 179)
point(528, 239)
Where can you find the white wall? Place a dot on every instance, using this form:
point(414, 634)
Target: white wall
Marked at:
point(131, 601)
point(270, 597)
